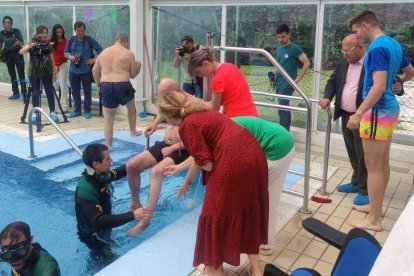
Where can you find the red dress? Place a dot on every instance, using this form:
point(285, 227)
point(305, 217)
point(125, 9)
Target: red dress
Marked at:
point(234, 216)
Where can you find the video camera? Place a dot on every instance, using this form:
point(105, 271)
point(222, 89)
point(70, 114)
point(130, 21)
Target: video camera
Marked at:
point(41, 47)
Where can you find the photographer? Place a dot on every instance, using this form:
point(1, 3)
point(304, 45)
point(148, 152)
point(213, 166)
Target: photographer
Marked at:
point(79, 50)
point(182, 57)
point(10, 43)
point(41, 69)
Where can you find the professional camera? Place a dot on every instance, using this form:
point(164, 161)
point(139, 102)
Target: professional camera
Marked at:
point(182, 51)
point(78, 60)
point(41, 47)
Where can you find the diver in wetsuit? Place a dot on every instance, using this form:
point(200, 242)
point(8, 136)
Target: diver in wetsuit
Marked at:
point(93, 200)
point(26, 258)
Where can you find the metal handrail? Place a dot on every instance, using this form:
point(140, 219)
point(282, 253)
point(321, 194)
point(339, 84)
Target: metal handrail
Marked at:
point(305, 207)
point(64, 135)
point(324, 178)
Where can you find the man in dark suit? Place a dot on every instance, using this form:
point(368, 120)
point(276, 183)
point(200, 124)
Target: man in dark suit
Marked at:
point(345, 84)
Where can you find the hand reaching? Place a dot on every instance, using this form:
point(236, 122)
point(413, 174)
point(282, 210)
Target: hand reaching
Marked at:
point(171, 170)
point(183, 190)
point(142, 213)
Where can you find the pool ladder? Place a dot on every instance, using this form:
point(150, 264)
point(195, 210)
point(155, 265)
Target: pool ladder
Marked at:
point(63, 133)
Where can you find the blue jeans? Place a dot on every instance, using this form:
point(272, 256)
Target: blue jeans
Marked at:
point(284, 115)
point(48, 86)
point(192, 88)
point(75, 83)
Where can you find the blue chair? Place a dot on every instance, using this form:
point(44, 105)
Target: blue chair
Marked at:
point(358, 251)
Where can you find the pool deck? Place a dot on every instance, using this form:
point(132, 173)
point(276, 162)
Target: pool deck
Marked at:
point(294, 246)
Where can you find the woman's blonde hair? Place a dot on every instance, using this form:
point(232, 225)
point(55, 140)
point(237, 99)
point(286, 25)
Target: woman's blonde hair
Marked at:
point(175, 105)
point(197, 57)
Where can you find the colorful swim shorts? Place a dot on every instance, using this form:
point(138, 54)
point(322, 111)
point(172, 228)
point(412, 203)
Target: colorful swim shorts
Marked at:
point(378, 123)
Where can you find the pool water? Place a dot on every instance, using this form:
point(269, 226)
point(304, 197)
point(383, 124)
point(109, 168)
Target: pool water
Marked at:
point(41, 193)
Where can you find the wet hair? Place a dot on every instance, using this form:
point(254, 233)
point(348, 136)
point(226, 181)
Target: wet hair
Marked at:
point(187, 39)
point(197, 57)
point(366, 16)
point(14, 231)
point(79, 24)
point(175, 105)
point(283, 28)
point(9, 18)
point(93, 153)
point(54, 36)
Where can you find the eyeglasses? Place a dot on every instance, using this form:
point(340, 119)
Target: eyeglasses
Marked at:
point(15, 252)
point(343, 51)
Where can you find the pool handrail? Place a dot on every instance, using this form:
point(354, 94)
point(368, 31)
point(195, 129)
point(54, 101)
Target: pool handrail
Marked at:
point(63, 133)
point(305, 207)
point(324, 178)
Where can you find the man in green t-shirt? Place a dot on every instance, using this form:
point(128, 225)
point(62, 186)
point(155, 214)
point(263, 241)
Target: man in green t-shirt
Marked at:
point(25, 257)
point(288, 55)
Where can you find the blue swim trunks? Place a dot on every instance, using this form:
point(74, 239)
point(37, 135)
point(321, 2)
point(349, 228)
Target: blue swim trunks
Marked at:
point(115, 93)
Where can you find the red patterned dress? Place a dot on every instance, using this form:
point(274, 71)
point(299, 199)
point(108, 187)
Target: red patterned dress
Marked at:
point(234, 216)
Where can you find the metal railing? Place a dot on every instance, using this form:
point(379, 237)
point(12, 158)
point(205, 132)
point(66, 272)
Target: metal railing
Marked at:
point(324, 178)
point(307, 111)
point(64, 135)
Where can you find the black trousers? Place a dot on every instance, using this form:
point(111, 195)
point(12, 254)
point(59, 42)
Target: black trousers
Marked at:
point(16, 61)
point(355, 151)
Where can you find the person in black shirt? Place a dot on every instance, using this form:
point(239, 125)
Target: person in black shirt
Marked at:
point(93, 200)
point(10, 43)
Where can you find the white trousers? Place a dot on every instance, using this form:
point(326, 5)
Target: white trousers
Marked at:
point(278, 170)
point(62, 77)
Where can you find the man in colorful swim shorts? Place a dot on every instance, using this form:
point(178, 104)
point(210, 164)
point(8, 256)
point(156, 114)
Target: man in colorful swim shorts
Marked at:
point(378, 114)
point(113, 69)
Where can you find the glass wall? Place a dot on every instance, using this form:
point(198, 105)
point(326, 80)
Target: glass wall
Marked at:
point(170, 24)
point(49, 16)
point(397, 21)
point(17, 13)
point(104, 22)
point(255, 26)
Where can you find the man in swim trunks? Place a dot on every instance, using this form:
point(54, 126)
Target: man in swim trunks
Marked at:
point(113, 69)
point(25, 257)
point(377, 115)
point(93, 200)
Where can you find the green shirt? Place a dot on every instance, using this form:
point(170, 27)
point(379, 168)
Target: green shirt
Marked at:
point(288, 57)
point(275, 140)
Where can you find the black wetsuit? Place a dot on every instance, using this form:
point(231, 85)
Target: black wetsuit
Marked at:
point(93, 208)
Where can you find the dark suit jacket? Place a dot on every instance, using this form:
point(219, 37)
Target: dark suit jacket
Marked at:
point(336, 83)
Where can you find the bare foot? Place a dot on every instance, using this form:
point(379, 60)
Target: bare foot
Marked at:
point(365, 224)
point(137, 229)
point(363, 208)
point(135, 133)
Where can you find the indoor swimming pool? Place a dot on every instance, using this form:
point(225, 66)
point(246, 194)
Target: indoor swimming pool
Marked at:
point(41, 193)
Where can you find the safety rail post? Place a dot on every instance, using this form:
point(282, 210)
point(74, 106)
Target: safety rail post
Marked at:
point(64, 135)
point(305, 207)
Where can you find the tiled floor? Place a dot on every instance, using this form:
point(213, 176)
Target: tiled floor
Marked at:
point(294, 247)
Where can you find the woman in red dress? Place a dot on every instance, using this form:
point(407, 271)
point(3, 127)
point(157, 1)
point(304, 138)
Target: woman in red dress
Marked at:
point(234, 216)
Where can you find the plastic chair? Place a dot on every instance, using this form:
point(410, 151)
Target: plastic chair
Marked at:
point(359, 250)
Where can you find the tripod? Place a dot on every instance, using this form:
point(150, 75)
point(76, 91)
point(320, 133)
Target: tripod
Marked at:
point(38, 115)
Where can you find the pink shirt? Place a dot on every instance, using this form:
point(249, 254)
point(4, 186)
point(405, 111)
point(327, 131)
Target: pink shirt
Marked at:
point(350, 91)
